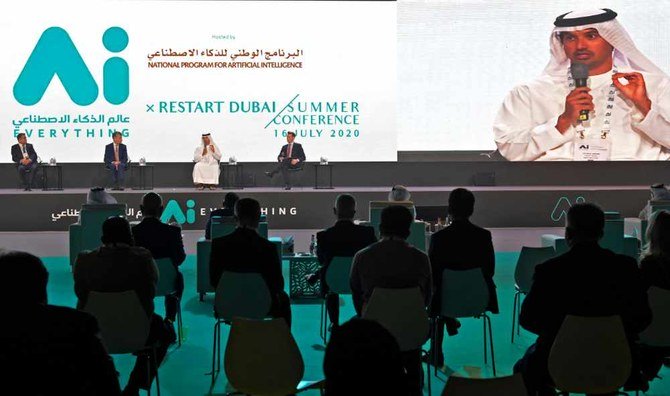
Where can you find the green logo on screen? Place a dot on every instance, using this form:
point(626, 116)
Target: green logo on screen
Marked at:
point(56, 55)
point(174, 212)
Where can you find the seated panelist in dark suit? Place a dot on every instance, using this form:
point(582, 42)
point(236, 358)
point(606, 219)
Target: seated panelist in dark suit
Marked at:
point(245, 251)
point(460, 246)
point(228, 210)
point(291, 156)
point(586, 281)
point(163, 241)
point(25, 158)
point(46, 349)
point(116, 160)
point(344, 239)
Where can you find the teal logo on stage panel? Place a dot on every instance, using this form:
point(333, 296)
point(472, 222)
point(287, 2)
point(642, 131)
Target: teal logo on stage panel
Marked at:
point(174, 212)
point(56, 55)
point(562, 206)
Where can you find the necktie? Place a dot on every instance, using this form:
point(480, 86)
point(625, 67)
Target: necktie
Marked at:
point(116, 153)
point(23, 147)
point(289, 150)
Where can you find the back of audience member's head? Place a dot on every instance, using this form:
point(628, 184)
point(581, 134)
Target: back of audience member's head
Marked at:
point(461, 203)
point(396, 222)
point(24, 279)
point(585, 223)
point(399, 193)
point(116, 230)
point(98, 196)
point(152, 205)
point(658, 235)
point(248, 213)
point(345, 207)
point(230, 200)
point(363, 358)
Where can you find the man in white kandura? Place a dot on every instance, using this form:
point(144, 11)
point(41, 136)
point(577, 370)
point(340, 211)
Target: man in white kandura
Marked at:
point(626, 100)
point(206, 170)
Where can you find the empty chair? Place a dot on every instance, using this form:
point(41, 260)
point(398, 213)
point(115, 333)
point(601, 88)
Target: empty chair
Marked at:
point(501, 386)
point(403, 313)
point(238, 295)
point(262, 358)
point(466, 295)
point(167, 285)
point(590, 355)
point(529, 258)
point(124, 325)
point(337, 279)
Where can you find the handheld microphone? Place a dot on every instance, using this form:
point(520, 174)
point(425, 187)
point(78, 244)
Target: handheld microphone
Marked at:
point(580, 73)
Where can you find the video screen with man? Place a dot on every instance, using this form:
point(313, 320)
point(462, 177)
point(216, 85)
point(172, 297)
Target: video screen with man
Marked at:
point(599, 91)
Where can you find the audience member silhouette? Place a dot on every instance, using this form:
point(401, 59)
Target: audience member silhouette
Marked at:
point(392, 263)
point(117, 266)
point(658, 192)
point(343, 239)
point(245, 251)
point(460, 246)
point(163, 241)
point(98, 196)
point(228, 210)
point(45, 349)
point(363, 358)
point(586, 281)
point(400, 193)
point(655, 269)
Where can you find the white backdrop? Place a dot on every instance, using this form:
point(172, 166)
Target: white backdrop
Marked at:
point(348, 54)
point(458, 59)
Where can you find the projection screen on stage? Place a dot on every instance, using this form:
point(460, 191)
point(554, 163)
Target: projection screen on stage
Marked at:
point(164, 72)
point(459, 59)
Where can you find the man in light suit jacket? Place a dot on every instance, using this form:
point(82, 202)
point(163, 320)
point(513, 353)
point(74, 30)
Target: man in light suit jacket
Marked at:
point(291, 156)
point(116, 160)
point(25, 157)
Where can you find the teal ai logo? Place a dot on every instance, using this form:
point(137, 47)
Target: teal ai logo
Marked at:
point(562, 206)
point(174, 212)
point(56, 55)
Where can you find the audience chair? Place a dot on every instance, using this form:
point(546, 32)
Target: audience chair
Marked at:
point(166, 286)
point(465, 295)
point(403, 313)
point(85, 234)
point(238, 295)
point(658, 332)
point(124, 325)
point(262, 358)
point(337, 279)
point(529, 258)
point(590, 355)
point(502, 386)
